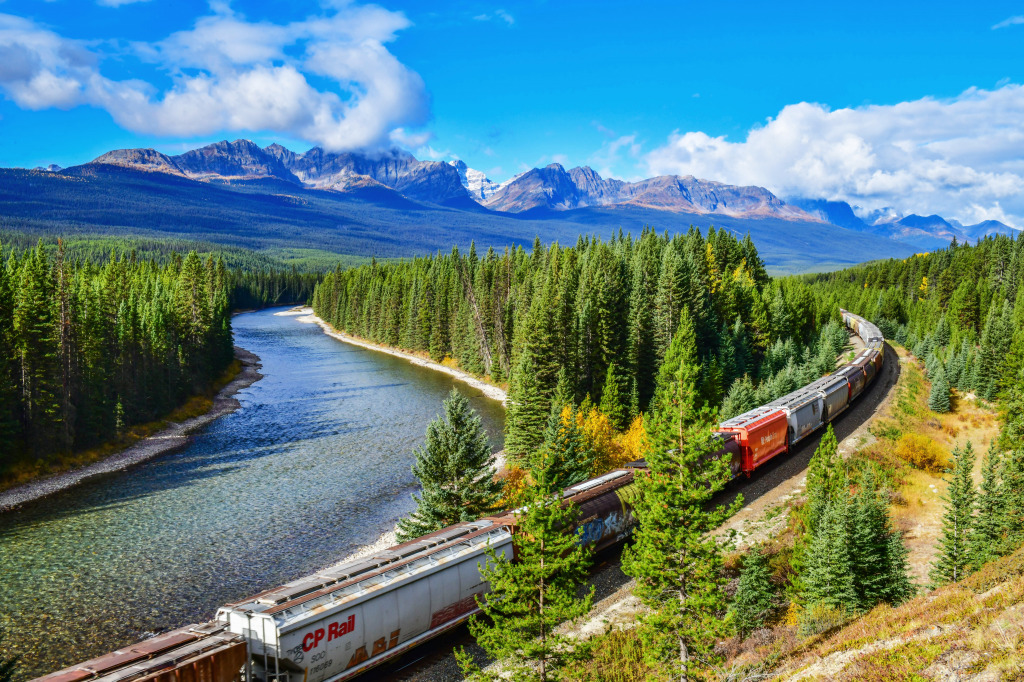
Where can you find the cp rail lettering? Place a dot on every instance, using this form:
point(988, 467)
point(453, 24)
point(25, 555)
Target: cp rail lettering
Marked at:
point(340, 629)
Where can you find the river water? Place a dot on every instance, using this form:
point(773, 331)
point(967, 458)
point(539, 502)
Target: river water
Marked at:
point(314, 465)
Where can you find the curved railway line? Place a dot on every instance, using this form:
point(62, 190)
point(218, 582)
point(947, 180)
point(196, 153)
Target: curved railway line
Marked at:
point(371, 614)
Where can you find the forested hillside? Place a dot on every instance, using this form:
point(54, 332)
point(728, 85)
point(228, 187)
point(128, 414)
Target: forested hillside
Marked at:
point(92, 345)
point(961, 309)
point(591, 320)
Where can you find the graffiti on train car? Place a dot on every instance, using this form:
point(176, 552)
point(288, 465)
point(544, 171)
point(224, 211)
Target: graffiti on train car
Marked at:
point(592, 530)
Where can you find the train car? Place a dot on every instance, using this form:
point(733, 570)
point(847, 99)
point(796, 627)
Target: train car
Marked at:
point(339, 623)
point(761, 434)
point(196, 653)
point(835, 393)
point(605, 508)
point(865, 360)
point(856, 378)
point(804, 409)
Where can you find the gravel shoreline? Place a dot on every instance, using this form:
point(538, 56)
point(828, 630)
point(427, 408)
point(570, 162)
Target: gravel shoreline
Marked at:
point(172, 438)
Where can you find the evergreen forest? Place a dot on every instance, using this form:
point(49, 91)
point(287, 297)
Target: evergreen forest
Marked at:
point(94, 342)
point(594, 320)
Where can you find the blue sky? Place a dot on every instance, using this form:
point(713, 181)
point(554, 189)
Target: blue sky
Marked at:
point(913, 105)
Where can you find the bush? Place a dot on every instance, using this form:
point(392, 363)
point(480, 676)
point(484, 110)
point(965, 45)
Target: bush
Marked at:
point(819, 618)
point(618, 656)
point(921, 452)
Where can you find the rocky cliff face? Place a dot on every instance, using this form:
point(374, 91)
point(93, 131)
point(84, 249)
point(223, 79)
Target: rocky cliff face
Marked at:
point(141, 159)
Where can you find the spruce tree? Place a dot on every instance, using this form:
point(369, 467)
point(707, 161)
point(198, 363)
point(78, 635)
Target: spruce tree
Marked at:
point(754, 594)
point(456, 470)
point(614, 399)
point(828, 574)
point(869, 532)
point(987, 531)
point(825, 478)
point(527, 412)
point(677, 566)
point(953, 558)
point(565, 455)
point(532, 596)
point(938, 399)
point(1011, 499)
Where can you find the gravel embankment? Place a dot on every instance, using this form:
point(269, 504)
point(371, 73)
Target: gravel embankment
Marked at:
point(174, 437)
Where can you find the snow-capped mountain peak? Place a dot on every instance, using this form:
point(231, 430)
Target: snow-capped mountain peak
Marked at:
point(477, 184)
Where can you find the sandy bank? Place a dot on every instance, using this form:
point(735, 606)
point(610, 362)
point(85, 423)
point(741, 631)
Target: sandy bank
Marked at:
point(174, 437)
point(305, 314)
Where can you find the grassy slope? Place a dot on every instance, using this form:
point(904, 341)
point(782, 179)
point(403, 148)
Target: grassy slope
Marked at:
point(90, 200)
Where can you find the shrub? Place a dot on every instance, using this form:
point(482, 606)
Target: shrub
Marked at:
point(618, 656)
point(921, 452)
point(820, 618)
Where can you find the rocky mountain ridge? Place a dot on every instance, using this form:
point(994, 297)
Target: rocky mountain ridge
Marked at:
point(923, 232)
point(550, 188)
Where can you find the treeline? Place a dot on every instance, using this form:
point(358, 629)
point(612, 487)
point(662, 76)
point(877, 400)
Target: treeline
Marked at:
point(87, 350)
point(960, 309)
point(592, 320)
point(255, 280)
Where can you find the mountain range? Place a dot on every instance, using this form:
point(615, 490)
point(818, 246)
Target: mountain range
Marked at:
point(392, 204)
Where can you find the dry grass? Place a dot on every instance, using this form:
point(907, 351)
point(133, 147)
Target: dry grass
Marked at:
point(973, 628)
point(26, 470)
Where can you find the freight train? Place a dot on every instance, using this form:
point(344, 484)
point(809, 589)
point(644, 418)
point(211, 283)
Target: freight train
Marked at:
point(339, 623)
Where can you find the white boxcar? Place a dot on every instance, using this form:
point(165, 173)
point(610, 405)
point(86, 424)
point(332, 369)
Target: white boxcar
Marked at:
point(336, 624)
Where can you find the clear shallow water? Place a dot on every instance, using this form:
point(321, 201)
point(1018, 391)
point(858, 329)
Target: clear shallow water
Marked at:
point(315, 464)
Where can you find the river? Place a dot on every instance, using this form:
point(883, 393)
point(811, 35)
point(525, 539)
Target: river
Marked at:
point(314, 465)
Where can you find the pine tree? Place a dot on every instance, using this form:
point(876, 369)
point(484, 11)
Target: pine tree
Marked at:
point(825, 478)
point(456, 470)
point(938, 399)
point(676, 565)
point(898, 586)
point(754, 594)
point(530, 597)
point(869, 533)
point(565, 455)
point(10, 430)
point(987, 530)
point(952, 562)
point(828, 574)
point(527, 412)
point(614, 399)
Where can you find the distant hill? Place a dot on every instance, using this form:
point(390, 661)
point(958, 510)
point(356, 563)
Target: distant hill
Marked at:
point(924, 233)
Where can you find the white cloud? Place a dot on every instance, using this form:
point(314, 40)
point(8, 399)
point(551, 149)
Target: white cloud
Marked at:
point(611, 153)
point(1012, 21)
point(962, 157)
point(230, 74)
point(117, 3)
point(499, 14)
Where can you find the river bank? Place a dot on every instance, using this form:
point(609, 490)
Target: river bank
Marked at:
point(306, 315)
point(175, 436)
